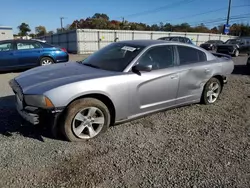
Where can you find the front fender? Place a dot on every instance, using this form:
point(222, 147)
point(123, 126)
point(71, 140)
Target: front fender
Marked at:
point(115, 88)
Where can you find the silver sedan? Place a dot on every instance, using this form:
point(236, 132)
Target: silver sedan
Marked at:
point(120, 82)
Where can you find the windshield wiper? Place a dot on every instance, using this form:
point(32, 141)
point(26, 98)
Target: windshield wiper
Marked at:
point(90, 65)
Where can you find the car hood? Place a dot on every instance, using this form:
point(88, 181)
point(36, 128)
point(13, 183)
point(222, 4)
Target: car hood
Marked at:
point(228, 45)
point(47, 77)
point(206, 44)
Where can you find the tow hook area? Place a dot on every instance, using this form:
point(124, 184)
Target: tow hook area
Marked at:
point(224, 79)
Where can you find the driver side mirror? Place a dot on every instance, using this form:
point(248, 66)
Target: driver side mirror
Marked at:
point(138, 68)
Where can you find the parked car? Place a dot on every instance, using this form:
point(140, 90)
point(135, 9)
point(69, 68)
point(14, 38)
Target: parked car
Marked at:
point(39, 40)
point(235, 47)
point(248, 62)
point(211, 44)
point(120, 82)
point(18, 54)
point(177, 39)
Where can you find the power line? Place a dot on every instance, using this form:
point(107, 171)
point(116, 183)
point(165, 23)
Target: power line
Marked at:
point(160, 8)
point(211, 11)
point(219, 19)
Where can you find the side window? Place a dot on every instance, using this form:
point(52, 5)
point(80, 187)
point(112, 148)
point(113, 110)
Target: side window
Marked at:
point(175, 39)
point(6, 46)
point(190, 55)
point(183, 40)
point(159, 57)
point(27, 45)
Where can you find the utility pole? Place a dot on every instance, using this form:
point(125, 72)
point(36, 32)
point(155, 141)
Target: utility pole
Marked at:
point(228, 13)
point(61, 19)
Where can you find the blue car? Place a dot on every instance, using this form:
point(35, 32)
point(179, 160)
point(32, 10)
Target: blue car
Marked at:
point(23, 54)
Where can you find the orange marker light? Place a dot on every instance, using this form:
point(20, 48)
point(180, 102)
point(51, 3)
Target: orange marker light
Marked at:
point(48, 103)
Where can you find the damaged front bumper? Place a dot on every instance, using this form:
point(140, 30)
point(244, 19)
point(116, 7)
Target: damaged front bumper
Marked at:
point(32, 114)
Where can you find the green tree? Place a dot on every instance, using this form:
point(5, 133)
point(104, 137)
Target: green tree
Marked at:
point(214, 30)
point(24, 29)
point(40, 30)
point(100, 16)
point(32, 35)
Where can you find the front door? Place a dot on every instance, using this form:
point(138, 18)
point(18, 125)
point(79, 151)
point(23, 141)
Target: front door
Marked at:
point(157, 89)
point(28, 53)
point(7, 55)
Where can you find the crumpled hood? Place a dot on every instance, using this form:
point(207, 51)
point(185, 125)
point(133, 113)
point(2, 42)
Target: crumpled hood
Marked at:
point(43, 78)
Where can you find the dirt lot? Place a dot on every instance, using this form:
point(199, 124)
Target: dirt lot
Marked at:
point(192, 146)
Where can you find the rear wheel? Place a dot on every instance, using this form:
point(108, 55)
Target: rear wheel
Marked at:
point(85, 119)
point(211, 91)
point(46, 61)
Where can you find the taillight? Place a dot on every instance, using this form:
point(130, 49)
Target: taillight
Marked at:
point(64, 49)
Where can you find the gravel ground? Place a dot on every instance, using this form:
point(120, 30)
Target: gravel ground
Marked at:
point(192, 146)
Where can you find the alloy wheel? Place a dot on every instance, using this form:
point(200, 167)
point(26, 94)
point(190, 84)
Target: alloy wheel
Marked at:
point(213, 92)
point(46, 62)
point(88, 123)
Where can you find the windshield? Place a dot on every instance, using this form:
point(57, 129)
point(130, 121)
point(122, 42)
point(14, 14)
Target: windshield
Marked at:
point(233, 41)
point(114, 57)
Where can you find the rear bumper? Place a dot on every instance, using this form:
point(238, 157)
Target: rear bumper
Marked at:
point(63, 58)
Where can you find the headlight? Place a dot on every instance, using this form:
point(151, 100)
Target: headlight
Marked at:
point(211, 45)
point(38, 101)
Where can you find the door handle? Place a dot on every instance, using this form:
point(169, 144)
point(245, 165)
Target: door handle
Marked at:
point(207, 70)
point(174, 76)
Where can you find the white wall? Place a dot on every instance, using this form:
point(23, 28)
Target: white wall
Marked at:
point(6, 33)
point(84, 41)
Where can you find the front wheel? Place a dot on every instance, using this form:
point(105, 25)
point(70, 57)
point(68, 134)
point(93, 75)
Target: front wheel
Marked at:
point(236, 53)
point(85, 119)
point(211, 91)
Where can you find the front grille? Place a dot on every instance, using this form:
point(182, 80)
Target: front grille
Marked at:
point(225, 47)
point(16, 89)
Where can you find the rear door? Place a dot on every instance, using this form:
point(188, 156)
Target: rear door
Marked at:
point(7, 56)
point(28, 53)
point(194, 71)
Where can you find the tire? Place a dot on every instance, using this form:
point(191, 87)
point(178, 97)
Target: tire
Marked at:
point(46, 61)
point(79, 110)
point(206, 98)
point(236, 53)
point(214, 48)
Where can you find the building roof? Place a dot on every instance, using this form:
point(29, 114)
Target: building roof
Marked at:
point(5, 27)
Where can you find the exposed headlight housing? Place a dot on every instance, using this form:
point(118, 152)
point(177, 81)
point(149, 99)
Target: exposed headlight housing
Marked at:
point(40, 101)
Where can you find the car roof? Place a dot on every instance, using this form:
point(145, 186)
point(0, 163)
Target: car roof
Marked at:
point(146, 42)
point(19, 40)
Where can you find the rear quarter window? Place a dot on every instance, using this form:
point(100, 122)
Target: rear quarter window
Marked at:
point(46, 45)
point(188, 55)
